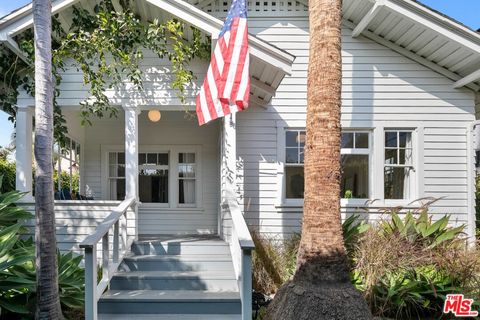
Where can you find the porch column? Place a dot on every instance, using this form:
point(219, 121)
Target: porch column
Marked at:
point(230, 136)
point(131, 151)
point(23, 152)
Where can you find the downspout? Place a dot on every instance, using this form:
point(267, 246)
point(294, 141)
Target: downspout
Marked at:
point(472, 142)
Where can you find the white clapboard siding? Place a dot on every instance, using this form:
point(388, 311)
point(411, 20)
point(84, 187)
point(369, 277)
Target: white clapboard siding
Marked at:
point(379, 86)
point(75, 220)
point(174, 129)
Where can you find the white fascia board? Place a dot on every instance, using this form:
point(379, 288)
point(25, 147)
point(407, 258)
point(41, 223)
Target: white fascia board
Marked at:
point(435, 26)
point(26, 21)
point(472, 77)
point(212, 26)
point(367, 19)
point(13, 46)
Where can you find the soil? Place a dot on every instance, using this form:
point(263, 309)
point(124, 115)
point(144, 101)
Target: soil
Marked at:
point(328, 300)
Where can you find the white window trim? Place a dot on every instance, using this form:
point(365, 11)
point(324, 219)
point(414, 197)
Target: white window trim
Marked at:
point(173, 151)
point(414, 182)
point(282, 127)
point(371, 185)
point(376, 164)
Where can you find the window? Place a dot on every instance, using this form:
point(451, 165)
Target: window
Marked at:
point(294, 158)
point(398, 166)
point(67, 165)
point(153, 171)
point(116, 175)
point(186, 178)
point(355, 153)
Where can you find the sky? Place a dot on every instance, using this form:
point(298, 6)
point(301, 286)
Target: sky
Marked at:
point(464, 11)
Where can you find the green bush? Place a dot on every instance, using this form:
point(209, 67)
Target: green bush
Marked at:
point(17, 264)
point(65, 180)
point(7, 171)
point(404, 266)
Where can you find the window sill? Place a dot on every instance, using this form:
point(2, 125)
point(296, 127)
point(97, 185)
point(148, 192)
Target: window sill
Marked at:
point(162, 207)
point(297, 205)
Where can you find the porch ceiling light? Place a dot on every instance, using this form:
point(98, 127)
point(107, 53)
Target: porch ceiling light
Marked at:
point(154, 115)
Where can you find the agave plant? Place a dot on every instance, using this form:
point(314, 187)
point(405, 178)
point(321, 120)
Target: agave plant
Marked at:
point(422, 229)
point(17, 267)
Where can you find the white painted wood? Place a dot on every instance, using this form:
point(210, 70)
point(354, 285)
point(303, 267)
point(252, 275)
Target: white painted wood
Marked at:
point(91, 296)
point(23, 152)
point(176, 131)
point(371, 14)
point(131, 151)
point(16, 24)
point(381, 89)
point(13, 45)
point(409, 54)
point(474, 76)
point(211, 25)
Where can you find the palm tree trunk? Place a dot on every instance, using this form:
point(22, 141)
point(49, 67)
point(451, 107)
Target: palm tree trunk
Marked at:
point(48, 302)
point(321, 287)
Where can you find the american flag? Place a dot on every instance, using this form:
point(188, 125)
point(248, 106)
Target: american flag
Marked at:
point(226, 87)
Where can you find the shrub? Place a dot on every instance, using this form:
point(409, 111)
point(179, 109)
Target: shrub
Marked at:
point(17, 264)
point(7, 171)
point(274, 262)
point(405, 267)
point(65, 180)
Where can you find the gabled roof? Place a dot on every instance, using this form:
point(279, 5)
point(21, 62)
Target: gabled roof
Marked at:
point(269, 64)
point(420, 33)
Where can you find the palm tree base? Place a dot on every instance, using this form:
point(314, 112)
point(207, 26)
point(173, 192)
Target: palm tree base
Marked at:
point(326, 300)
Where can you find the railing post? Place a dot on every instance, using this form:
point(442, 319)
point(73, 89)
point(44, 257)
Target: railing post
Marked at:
point(116, 241)
point(246, 284)
point(91, 283)
point(105, 255)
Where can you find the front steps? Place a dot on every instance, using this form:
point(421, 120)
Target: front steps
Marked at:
point(181, 278)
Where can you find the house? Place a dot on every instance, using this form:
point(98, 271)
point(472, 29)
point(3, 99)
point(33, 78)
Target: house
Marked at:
point(409, 100)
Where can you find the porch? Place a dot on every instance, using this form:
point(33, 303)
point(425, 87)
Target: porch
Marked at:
point(171, 166)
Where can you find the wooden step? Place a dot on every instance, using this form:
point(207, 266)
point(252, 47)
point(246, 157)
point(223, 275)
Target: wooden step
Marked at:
point(175, 280)
point(169, 302)
point(191, 262)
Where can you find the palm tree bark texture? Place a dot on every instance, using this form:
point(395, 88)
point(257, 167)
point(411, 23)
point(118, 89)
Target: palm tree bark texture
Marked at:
point(321, 287)
point(48, 301)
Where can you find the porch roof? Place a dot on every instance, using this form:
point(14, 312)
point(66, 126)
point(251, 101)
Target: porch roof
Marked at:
point(268, 66)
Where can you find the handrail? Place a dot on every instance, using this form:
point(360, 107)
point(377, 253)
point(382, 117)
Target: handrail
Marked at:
point(238, 222)
point(240, 239)
point(93, 291)
point(107, 223)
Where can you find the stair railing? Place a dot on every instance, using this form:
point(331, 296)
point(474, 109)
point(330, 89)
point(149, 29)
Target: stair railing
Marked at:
point(241, 246)
point(93, 291)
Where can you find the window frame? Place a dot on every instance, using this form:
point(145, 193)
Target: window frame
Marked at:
point(281, 199)
point(291, 165)
point(360, 151)
point(158, 151)
point(377, 159)
point(196, 179)
point(173, 151)
point(414, 166)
